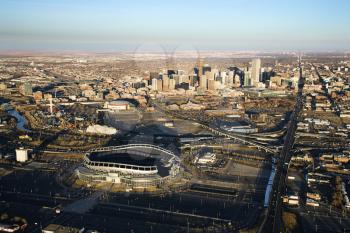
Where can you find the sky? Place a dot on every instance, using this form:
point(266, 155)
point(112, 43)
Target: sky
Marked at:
point(127, 25)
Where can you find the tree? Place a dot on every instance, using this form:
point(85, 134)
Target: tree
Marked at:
point(3, 216)
point(337, 196)
point(290, 221)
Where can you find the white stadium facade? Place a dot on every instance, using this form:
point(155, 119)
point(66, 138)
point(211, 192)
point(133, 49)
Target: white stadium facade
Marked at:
point(135, 165)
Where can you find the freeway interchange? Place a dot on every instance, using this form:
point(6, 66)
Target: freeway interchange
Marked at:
point(245, 139)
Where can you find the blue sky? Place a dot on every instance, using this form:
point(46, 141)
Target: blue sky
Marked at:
point(103, 25)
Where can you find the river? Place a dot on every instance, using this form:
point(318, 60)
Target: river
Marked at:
point(21, 121)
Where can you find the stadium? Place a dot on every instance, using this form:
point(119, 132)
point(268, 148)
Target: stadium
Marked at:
point(135, 165)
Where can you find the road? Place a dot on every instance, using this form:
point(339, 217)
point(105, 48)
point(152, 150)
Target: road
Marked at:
point(202, 207)
point(245, 139)
point(273, 220)
point(334, 103)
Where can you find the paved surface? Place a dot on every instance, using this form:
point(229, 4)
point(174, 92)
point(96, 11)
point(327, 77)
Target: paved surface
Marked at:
point(83, 206)
point(273, 221)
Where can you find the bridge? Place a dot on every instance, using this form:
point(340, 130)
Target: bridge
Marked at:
point(239, 139)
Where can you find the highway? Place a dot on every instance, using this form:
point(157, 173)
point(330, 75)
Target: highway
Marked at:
point(217, 131)
point(273, 220)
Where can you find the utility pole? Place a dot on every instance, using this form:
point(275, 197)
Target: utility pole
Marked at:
point(188, 226)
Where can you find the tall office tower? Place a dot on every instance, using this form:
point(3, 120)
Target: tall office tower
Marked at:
point(229, 81)
point(206, 68)
point(154, 84)
point(193, 80)
point(171, 84)
point(231, 78)
point(247, 78)
point(237, 80)
point(216, 72)
point(165, 83)
point(184, 79)
point(209, 74)
point(200, 63)
point(171, 72)
point(219, 79)
point(177, 79)
point(265, 76)
point(256, 66)
point(203, 82)
point(159, 85)
point(223, 75)
point(180, 72)
point(211, 84)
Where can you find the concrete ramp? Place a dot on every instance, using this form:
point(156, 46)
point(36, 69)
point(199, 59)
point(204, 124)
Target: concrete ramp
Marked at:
point(83, 206)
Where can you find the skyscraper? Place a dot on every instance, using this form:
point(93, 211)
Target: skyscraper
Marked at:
point(184, 79)
point(200, 62)
point(211, 85)
point(203, 82)
point(154, 84)
point(247, 78)
point(206, 68)
point(171, 84)
point(256, 66)
point(159, 85)
point(194, 80)
point(165, 83)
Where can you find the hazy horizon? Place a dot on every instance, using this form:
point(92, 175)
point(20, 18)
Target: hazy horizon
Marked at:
point(115, 26)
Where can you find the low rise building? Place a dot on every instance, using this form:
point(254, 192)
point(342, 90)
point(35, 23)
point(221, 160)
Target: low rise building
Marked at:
point(118, 105)
point(22, 155)
point(208, 158)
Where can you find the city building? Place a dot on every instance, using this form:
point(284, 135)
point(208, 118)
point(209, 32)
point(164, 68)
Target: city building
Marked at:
point(159, 85)
point(199, 70)
point(203, 82)
point(26, 89)
point(165, 83)
point(38, 96)
point(118, 105)
point(22, 155)
point(172, 84)
point(154, 84)
point(256, 68)
point(247, 79)
point(207, 158)
point(206, 68)
point(211, 84)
